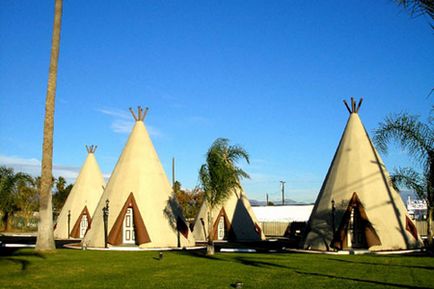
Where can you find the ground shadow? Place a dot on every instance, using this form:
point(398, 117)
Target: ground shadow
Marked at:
point(360, 280)
point(199, 254)
point(17, 256)
point(260, 264)
point(388, 265)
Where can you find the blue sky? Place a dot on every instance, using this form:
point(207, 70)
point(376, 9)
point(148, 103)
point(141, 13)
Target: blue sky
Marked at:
point(268, 75)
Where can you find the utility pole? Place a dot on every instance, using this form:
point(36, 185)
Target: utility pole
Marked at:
point(173, 174)
point(282, 185)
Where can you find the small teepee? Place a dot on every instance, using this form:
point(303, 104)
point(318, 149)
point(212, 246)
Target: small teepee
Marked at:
point(357, 207)
point(75, 217)
point(233, 221)
point(141, 209)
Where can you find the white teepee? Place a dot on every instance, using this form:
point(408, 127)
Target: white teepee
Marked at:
point(357, 206)
point(234, 220)
point(75, 216)
point(141, 208)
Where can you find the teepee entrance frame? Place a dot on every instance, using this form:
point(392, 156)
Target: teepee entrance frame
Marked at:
point(115, 236)
point(355, 229)
point(228, 234)
point(75, 232)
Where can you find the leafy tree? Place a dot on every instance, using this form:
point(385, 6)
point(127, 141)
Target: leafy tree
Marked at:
point(417, 138)
point(189, 201)
point(45, 237)
point(12, 186)
point(60, 194)
point(220, 177)
point(27, 199)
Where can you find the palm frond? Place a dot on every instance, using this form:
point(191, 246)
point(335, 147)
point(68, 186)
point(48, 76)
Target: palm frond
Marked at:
point(236, 153)
point(219, 176)
point(418, 7)
point(413, 136)
point(410, 179)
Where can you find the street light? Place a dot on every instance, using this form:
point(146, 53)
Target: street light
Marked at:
point(105, 212)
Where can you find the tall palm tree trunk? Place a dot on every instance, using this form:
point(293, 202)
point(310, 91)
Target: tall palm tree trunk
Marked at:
point(210, 246)
point(429, 225)
point(45, 239)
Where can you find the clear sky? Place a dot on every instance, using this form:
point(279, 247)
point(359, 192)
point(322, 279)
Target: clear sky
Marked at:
point(268, 75)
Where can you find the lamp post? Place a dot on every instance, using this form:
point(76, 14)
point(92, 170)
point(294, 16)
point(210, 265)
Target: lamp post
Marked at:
point(69, 224)
point(105, 212)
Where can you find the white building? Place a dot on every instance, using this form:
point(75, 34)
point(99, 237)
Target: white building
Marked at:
point(287, 213)
point(417, 209)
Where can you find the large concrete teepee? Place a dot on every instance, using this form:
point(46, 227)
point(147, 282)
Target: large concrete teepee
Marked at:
point(141, 209)
point(234, 221)
point(75, 217)
point(357, 206)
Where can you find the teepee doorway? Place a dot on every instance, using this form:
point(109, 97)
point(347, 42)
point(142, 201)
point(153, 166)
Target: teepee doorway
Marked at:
point(128, 228)
point(84, 223)
point(356, 230)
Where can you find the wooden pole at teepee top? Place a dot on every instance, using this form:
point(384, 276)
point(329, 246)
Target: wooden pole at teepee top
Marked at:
point(347, 106)
point(360, 104)
point(354, 106)
point(134, 115)
point(91, 149)
point(141, 113)
point(144, 112)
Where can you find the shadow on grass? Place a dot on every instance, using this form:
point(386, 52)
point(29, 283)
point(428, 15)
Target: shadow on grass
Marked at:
point(379, 264)
point(360, 280)
point(257, 263)
point(18, 257)
point(248, 261)
point(199, 254)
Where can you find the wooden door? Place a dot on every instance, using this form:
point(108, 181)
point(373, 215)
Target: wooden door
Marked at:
point(83, 225)
point(221, 228)
point(128, 228)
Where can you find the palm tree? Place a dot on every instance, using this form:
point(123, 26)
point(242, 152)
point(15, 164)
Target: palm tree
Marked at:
point(418, 7)
point(220, 177)
point(417, 139)
point(61, 193)
point(11, 185)
point(45, 238)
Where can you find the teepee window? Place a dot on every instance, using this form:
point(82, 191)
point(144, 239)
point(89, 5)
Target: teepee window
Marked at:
point(128, 228)
point(83, 225)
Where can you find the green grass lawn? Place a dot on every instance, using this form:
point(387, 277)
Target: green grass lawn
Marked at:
point(98, 269)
